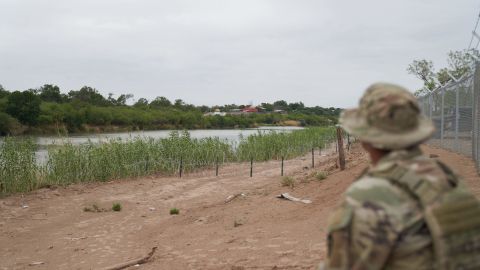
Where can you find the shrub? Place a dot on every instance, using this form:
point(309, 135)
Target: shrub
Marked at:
point(94, 209)
point(320, 175)
point(9, 125)
point(117, 207)
point(174, 211)
point(288, 181)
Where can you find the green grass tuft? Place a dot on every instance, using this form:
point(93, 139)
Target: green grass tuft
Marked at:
point(288, 181)
point(117, 207)
point(174, 211)
point(94, 208)
point(321, 175)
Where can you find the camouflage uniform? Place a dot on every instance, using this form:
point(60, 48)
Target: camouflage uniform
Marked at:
point(381, 222)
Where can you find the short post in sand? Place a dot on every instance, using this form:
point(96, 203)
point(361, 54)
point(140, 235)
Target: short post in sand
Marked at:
point(313, 157)
point(251, 167)
point(282, 166)
point(181, 167)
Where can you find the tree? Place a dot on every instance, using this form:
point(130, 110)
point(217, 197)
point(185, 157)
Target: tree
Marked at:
point(89, 95)
point(423, 69)
point(179, 103)
point(268, 107)
point(3, 92)
point(443, 77)
point(296, 106)
point(25, 106)
point(142, 102)
point(280, 104)
point(160, 102)
point(9, 125)
point(122, 99)
point(50, 93)
point(204, 108)
point(459, 64)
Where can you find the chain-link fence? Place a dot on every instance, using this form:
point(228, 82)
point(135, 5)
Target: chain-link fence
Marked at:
point(454, 110)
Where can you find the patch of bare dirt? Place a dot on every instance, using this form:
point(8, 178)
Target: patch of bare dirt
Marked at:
point(254, 231)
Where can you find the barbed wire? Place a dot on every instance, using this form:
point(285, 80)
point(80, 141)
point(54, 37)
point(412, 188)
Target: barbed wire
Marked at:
point(474, 34)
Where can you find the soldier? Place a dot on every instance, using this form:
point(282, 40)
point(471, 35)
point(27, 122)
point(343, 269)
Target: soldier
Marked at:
point(406, 211)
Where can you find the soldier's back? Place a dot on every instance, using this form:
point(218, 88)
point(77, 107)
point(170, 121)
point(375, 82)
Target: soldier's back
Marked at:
point(388, 230)
point(383, 218)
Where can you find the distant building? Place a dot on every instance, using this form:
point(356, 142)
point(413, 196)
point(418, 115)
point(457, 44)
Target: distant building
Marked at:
point(235, 111)
point(215, 112)
point(250, 109)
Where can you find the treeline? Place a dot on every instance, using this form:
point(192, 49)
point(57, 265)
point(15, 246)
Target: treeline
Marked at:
point(47, 110)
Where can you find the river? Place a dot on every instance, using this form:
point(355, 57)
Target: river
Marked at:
point(232, 135)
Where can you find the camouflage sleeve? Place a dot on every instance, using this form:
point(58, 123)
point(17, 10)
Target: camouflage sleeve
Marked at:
point(338, 239)
point(360, 236)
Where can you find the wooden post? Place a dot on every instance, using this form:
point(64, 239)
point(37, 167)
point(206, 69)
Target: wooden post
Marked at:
point(181, 167)
point(251, 167)
point(341, 154)
point(313, 157)
point(348, 142)
point(282, 167)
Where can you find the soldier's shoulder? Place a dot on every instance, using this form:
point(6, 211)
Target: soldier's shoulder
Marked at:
point(380, 191)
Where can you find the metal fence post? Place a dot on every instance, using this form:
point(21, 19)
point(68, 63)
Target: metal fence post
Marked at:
point(430, 101)
point(442, 117)
point(476, 111)
point(457, 118)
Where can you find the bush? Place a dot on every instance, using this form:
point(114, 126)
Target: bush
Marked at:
point(174, 211)
point(117, 207)
point(25, 106)
point(9, 125)
point(94, 209)
point(320, 175)
point(288, 181)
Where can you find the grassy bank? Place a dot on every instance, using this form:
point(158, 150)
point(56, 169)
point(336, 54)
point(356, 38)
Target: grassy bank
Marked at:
point(115, 159)
point(275, 145)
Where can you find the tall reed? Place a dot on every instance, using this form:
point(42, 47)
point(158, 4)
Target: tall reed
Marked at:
point(19, 171)
point(135, 157)
point(275, 145)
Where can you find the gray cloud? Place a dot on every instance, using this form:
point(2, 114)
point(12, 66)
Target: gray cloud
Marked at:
point(224, 51)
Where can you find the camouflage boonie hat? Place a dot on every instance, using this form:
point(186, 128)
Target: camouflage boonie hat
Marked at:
point(388, 117)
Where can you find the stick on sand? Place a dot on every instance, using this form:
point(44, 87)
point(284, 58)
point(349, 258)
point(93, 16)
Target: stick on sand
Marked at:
point(132, 262)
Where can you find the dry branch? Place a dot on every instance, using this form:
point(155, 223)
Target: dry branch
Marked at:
point(132, 262)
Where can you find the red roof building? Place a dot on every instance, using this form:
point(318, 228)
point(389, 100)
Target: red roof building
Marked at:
point(250, 109)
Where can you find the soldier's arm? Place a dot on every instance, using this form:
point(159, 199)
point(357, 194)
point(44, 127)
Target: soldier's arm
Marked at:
point(360, 236)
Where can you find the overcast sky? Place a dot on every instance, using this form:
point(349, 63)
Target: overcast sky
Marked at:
point(223, 51)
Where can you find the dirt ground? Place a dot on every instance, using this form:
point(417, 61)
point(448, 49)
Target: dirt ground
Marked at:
point(255, 231)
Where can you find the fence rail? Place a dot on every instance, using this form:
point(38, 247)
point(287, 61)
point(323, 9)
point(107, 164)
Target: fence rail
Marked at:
point(454, 110)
